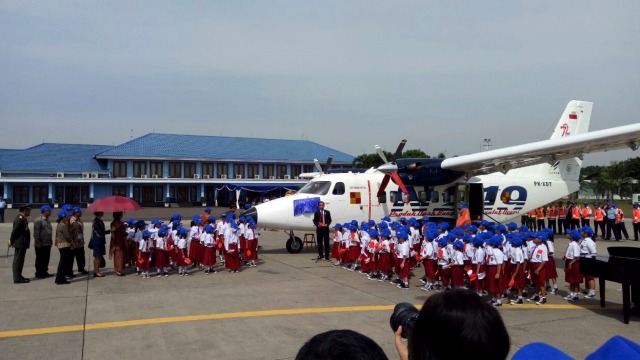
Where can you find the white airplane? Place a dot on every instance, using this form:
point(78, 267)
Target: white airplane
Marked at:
point(498, 185)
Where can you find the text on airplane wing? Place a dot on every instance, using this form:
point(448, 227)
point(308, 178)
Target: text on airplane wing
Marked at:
point(546, 151)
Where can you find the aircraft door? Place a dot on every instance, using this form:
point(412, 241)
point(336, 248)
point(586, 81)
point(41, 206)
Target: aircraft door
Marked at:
point(476, 201)
point(472, 194)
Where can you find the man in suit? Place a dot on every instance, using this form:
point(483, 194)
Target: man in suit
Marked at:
point(322, 220)
point(20, 241)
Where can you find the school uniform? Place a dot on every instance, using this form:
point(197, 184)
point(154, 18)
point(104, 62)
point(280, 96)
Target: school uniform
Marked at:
point(385, 263)
point(588, 250)
point(517, 272)
point(403, 252)
point(242, 240)
point(478, 261)
point(429, 259)
point(540, 255)
point(162, 255)
point(209, 249)
point(231, 256)
point(550, 266)
point(494, 257)
point(457, 269)
point(443, 265)
point(335, 249)
point(252, 244)
point(181, 246)
point(572, 276)
point(369, 263)
point(145, 246)
point(195, 248)
point(354, 246)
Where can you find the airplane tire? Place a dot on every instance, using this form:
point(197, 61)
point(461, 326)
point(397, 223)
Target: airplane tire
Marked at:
point(294, 245)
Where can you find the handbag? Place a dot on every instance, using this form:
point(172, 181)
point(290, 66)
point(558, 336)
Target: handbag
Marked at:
point(103, 263)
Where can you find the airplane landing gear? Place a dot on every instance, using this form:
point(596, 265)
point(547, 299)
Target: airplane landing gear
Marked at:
point(294, 244)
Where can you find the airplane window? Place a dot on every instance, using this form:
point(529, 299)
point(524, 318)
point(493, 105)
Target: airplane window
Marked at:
point(382, 199)
point(393, 196)
point(435, 196)
point(422, 196)
point(338, 189)
point(316, 188)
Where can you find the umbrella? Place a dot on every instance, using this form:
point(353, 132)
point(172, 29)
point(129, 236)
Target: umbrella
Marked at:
point(114, 203)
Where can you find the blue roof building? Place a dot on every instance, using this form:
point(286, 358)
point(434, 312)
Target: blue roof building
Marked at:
point(155, 168)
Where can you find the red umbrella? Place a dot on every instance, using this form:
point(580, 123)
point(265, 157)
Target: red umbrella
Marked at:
point(114, 203)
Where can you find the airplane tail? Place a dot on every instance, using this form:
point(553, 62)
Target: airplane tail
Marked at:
point(574, 120)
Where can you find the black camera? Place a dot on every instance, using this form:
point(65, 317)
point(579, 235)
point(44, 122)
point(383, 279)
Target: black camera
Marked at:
point(405, 315)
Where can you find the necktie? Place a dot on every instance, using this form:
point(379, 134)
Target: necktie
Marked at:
point(322, 216)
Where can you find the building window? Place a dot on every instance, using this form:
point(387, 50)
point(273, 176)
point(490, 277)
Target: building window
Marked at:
point(308, 168)
point(189, 169)
point(238, 169)
point(296, 170)
point(223, 169)
point(72, 194)
point(159, 194)
point(59, 199)
point(20, 194)
point(253, 170)
point(207, 169)
point(139, 168)
point(175, 170)
point(84, 193)
point(119, 169)
point(156, 168)
point(268, 171)
point(281, 171)
point(119, 190)
point(40, 194)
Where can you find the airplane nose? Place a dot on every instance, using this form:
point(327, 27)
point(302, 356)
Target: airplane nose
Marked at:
point(253, 212)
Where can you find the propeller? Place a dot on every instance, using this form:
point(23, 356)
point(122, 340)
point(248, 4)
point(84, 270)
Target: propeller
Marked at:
point(327, 165)
point(390, 171)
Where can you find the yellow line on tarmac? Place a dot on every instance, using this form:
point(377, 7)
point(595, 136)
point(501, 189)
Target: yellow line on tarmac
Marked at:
point(247, 314)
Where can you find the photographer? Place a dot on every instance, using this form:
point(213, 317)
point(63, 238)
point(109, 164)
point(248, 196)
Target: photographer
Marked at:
point(454, 324)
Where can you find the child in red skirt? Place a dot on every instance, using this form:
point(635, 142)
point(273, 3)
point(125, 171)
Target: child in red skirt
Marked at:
point(195, 247)
point(478, 262)
point(517, 269)
point(337, 239)
point(145, 246)
point(457, 265)
point(537, 269)
point(384, 259)
point(403, 250)
point(428, 256)
point(371, 254)
point(550, 267)
point(354, 248)
point(181, 246)
point(572, 265)
point(252, 244)
point(494, 262)
point(443, 261)
point(162, 253)
point(209, 249)
point(231, 257)
point(364, 245)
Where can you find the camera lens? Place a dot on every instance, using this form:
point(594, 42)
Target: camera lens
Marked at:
point(405, 315)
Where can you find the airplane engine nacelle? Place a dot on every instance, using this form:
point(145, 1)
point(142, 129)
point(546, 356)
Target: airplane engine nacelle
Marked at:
point(425, 172)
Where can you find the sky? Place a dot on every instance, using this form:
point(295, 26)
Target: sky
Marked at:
point(345, 74)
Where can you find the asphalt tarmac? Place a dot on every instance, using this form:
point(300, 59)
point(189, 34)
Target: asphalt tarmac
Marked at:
point(266, 312)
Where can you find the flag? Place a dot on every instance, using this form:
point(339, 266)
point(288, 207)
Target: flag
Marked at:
point(573, 116)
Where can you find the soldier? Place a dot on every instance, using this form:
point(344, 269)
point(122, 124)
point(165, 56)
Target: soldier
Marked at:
point(42, 241)
point(20, 240)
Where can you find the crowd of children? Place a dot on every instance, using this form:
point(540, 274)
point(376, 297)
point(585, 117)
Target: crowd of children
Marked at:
point(201, 246)
point(496, 260)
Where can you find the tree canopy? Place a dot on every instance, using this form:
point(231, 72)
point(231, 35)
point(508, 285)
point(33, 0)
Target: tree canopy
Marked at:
point(619, 178)
point(373, 160)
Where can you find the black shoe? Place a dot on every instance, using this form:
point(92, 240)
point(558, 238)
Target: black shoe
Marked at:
point(49, 275)
point(22, 281)
point(63, 283)
point(41, 276)
point(83, 271)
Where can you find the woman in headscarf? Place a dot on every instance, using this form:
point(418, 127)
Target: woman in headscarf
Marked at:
point(118, 244)
point(98, 242)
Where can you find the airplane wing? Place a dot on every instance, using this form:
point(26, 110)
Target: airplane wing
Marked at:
point(546, 151)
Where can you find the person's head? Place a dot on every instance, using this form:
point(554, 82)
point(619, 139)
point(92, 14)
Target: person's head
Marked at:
point(321, 205)
point(98, 214)
point(25, 210)
point(340, 344)
point(117, 215)
point(458, 324)
point(45, 210)
point(77, 212)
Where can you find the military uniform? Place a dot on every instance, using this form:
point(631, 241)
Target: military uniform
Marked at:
point(20, 240)
point(43, 241)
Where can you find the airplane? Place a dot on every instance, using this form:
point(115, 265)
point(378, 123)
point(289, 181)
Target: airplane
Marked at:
point(498, 185)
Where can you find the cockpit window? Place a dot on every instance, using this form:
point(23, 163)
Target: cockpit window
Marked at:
point(316, 188)
point(338, 189)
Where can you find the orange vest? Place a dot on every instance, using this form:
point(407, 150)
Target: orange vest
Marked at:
point(599, 214)
point(540, 213)
point(562, 213)
point(619, 216)
point(585, 213)
point(636, 215)
point(532, 213)
point(575, 212)
point(551, 212)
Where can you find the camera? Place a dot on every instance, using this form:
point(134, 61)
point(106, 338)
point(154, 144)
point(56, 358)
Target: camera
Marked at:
point(405, 315)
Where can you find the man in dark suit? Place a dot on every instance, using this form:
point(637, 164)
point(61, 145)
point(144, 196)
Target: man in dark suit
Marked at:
point(20, 241)
point(322, 220)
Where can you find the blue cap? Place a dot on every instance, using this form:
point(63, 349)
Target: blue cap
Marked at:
point(212, 219)
point(209, 228)
point(353, 228)
point(402, 235)
point(443, 226)
point(587, 230)
point(386, 218)
point(373, 233)
point(535, 351)
point(131, 221)
point(574, 235)
point(45, 208)
point(176, 224)
point(338, 226)
point(207, 209)
point(140, 223)
point(77, 210)
point(432, 235)
point(425, 219)
point(63, 213)
point(463, 205)
point(146, 233)
point(247, 206)
point(385, 233)
point(458, 244)
point(512, 226)
point(182, 232)
point(616, 348)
